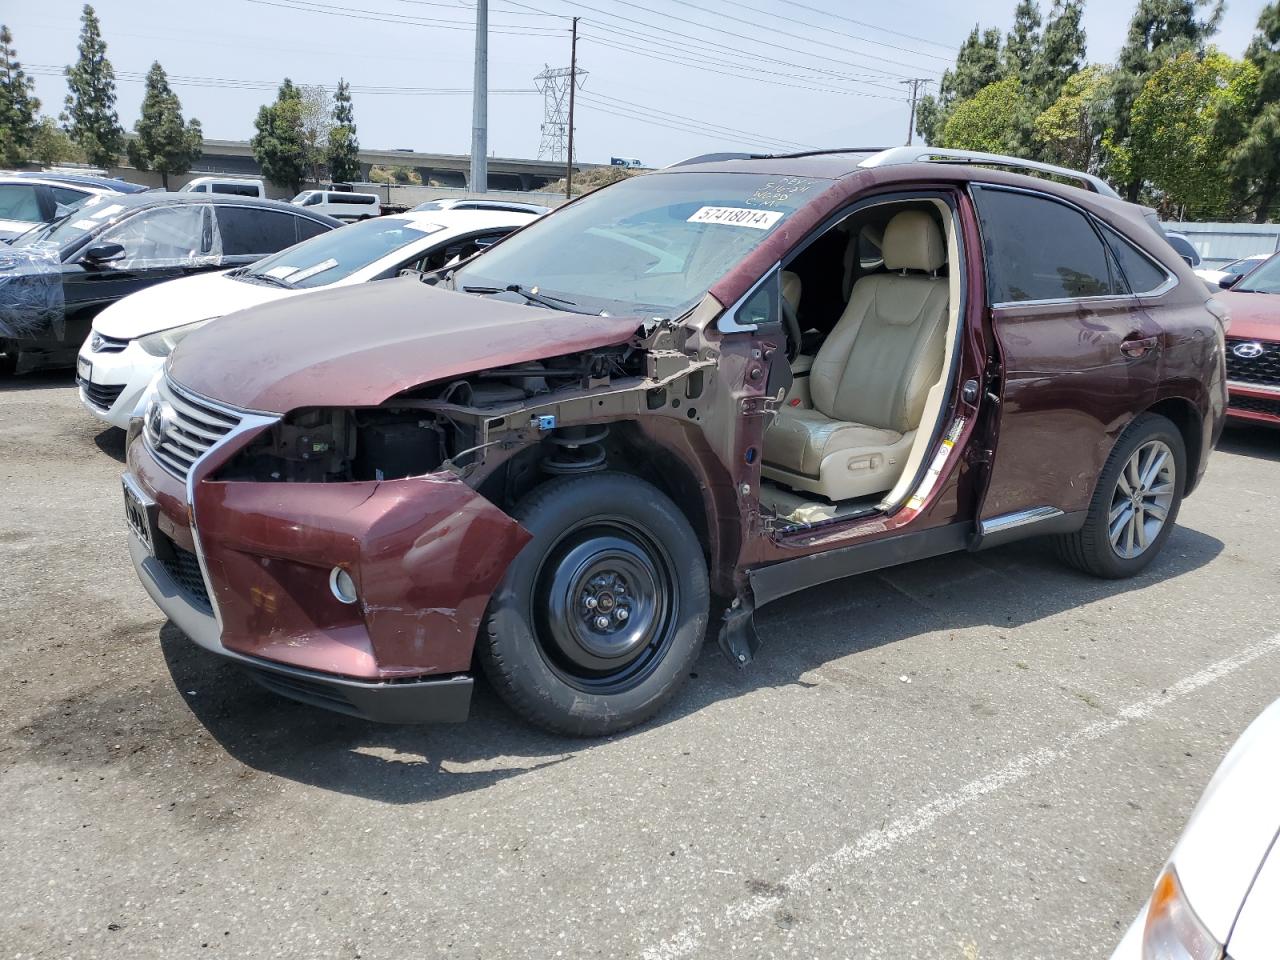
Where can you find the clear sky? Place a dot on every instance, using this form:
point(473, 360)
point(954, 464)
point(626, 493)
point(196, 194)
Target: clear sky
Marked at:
point(660, 73)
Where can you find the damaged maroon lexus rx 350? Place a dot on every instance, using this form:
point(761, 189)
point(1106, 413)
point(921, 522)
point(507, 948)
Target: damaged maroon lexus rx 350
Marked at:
point(659, 408)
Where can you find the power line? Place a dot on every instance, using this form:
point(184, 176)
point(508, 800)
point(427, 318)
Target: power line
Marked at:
point(715, 128)
point(379, 16)
point(872, 26)
point(679, 128)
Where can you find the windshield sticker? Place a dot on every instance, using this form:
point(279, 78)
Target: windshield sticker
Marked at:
point(85, 224)
point(780, 191)
point(107, 211)
point(282, 271)
point(737, 217)
point(320, 267)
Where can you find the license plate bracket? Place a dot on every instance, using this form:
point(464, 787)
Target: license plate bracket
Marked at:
point(84, 369)
point(139, 513)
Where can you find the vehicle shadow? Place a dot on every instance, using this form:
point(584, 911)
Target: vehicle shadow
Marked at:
point(111, 442)
point(999, 589)
point(1260, 442)
point(40, 380)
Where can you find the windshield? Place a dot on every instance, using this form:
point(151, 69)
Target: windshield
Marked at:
point(82, 220)
point(649, 245)
point(1266, 279)
point(335, 255)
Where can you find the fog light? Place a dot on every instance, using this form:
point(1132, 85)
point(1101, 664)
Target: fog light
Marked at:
point(343, 587)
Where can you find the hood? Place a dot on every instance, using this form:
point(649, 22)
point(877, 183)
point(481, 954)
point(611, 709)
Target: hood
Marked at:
point(1254, 316)
point(1227, 838)
point(356, 346)
point(179, 302)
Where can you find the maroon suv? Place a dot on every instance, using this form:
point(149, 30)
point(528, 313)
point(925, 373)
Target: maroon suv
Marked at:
point(659, 408)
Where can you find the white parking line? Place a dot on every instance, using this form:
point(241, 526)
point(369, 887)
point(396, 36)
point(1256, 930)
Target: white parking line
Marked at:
point(688, 940)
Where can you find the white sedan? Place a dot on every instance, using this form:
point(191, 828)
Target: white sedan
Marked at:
point(1218, 895)
point(131, 339)
point(1236, 268)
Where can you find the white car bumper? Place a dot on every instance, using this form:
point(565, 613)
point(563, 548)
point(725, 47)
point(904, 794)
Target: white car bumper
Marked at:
point(112, 382)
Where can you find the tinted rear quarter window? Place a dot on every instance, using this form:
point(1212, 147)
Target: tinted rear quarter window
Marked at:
point(308, 228)
point(1143, 275)
point(1039, 249)
point(250, 232)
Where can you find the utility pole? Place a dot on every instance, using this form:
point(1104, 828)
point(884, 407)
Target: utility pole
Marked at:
point(917, 83)
point(480, 103)
point(573, 85)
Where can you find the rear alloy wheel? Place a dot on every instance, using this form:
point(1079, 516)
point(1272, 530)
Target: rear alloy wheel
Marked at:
point(1135, 504)
point(599, 618)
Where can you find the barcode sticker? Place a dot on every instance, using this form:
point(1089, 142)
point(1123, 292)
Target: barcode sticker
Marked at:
point(737, 217)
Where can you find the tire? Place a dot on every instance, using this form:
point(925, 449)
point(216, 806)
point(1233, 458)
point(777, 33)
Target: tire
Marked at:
point(602, 543)
point(8, 358)
point(1096, 547)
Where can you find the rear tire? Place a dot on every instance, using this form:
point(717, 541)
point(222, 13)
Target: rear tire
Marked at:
point(600, 617)
point(1135, 504)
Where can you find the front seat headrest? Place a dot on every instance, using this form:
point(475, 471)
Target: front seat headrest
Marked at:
point(912, 241)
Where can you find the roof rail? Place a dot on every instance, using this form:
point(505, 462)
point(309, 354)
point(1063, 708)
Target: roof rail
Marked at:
point(716, 158)
point(898, 155)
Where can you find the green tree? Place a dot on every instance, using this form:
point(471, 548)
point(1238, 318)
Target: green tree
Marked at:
point(1253, 132)
point(162, 141)
point(344, 148)
point(987, 121)
point(1062, 50)
point(315, 111)
point(1158, 30)
point(1172, 142)
point(1022, 42)
point(52, 146)
point(18, 105)
point(1068, 132)
point(977, 63)
point(91, 104)
point(278, 144)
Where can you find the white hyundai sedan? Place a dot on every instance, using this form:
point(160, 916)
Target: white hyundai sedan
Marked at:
point(1219, 895)
point(131, 339)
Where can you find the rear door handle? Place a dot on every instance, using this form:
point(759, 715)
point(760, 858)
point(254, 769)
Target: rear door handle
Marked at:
point(1136, 347)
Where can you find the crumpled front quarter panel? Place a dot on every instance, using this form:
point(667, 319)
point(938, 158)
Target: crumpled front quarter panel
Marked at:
point(425, 553)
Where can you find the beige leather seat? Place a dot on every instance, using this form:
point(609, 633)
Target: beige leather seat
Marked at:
point(791, 289)
point(871, 376)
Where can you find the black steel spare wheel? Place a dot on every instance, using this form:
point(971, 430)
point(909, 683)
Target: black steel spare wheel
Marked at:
point(600, 616)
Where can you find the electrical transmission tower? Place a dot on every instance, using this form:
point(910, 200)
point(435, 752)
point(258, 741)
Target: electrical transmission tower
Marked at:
point(554, 85)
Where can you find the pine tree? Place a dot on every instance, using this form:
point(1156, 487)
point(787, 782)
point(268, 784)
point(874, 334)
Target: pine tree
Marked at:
point(1022, 42)
point(18, 105)
point(279, 145)
point(977, 64)
point(344, 148)
point(1158, 31)
point(1253, 162)
point(91, 104)
point(1062, 50)
point(163, 142)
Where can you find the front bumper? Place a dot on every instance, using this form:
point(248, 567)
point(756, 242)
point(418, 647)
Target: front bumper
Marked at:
point(431, 700)
point(116, 382)
point(1252, 404)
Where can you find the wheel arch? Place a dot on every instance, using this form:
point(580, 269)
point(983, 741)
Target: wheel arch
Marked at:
point(1184, 415)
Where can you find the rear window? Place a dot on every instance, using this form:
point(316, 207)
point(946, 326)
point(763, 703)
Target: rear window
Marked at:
point(237, 189)
point(363, 199)
point(250, 232)
point(1039, 249)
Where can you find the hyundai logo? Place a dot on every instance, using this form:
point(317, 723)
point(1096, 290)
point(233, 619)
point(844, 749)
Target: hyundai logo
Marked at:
point(95, 344)
point(1249, 351)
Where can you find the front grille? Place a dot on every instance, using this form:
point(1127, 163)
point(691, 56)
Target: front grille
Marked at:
point(188, 426)
point(1262, 370)
point(101, 395)
point(184, 567)
point(100, 344)
point(1255, 404)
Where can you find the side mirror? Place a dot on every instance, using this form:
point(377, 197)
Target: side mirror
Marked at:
point(101, 253)
point(1227, 282)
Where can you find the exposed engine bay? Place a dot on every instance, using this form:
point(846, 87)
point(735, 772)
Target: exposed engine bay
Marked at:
point(459, 425)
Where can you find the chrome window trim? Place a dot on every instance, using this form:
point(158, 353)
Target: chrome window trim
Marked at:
point(1171, 280)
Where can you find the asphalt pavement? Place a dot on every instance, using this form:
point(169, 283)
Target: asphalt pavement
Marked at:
point(977, 756)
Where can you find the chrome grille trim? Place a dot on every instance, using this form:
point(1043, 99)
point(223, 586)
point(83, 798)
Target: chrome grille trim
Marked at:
point(196, 427)
point(100, 343)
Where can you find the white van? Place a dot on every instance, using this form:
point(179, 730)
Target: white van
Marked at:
point(342, 204)
point(235, 186)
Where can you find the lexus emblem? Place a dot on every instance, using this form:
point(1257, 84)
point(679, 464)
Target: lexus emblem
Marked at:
point(1248, 351)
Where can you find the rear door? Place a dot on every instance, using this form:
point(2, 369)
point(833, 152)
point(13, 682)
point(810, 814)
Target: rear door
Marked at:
point(1075, 357)
point(250, 233)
